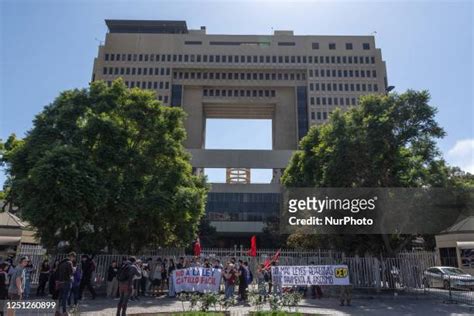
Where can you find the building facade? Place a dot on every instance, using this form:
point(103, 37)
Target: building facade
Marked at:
point(296, 81)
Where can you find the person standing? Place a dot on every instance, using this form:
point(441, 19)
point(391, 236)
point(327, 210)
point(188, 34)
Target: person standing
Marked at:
point(136, 281)
point(88, 268)
point(346, 295)
point(29, 271)
point(164, 275)
point(261, 282)
point(43, 277)
point(242, 274)
point(53, 276)
point(64, 280)
point(125, 278)
point(180, 264)
point(171, 268)
point(144, 279)
point(112, 282)
point(156, 285)
point(230, 278)
point(3, 281)
point(16, 287)
point(3, 285)
point(76, 281)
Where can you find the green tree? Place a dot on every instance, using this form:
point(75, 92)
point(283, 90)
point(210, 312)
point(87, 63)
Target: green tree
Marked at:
point(386, 141)
point(105, 168)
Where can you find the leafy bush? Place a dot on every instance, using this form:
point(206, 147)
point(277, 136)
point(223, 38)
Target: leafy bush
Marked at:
point(225, 304)
point(208, 300)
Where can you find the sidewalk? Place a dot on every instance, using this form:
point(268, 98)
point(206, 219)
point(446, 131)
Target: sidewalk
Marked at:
point(328, 306)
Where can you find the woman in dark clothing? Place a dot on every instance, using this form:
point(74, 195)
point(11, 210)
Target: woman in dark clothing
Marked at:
point(171, 268)
point(52, 280)
point(3, 281)
point(43, 277)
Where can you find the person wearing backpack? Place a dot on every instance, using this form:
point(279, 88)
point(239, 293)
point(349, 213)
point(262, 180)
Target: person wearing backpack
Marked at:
point(88, 269)
point(242, 274)
point(64, 280)
point(125, 278)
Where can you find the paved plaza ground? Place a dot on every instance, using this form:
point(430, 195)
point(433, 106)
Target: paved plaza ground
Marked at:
point(385, 306)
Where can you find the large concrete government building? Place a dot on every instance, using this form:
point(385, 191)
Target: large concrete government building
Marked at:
point(296, 81)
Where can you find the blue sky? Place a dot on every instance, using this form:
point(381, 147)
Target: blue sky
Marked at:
point(48, 46)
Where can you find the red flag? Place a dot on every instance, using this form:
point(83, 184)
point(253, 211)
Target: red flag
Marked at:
point(197, 248)
point(266, 264)
point(253, 246)
point(275, 258)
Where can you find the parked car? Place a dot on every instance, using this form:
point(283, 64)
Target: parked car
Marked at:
point(447, 277)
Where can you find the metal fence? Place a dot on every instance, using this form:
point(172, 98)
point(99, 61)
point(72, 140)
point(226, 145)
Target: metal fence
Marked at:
point(38, 254)
point(406, 271)
point(450, 286)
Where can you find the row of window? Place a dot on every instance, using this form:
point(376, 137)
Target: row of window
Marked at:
point(147, 85)
point(332, 101)
point(316, 45)
point(241, 59)
point(319, 115)
point(343, 73)
point(224, 215)
point(349, 46)
point(336, 73)
point(155, 85)
point(255, 93)
point(344, 87)
point(136, 71)
point(239, 75)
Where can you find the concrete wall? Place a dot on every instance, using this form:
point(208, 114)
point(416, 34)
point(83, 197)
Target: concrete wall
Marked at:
point(222, 158)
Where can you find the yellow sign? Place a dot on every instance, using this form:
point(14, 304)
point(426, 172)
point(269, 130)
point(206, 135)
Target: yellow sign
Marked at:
point(340, 272)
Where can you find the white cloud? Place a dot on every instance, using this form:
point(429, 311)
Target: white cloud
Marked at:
point(462, 155)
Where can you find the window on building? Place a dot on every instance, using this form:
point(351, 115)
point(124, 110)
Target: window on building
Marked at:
point(349, 46)
point(366, 46)
point(315, 45)
point(286, 44)
point(332, 46)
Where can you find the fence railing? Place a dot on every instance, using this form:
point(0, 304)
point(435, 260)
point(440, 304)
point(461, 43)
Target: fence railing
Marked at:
point(37, 255)
point(403, 271)
point(450, 288)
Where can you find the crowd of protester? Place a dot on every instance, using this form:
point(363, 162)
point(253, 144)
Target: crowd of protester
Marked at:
point(67, 280)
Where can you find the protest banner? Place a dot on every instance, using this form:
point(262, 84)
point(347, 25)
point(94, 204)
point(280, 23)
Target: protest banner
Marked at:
point(310, 275)
point(197, 279)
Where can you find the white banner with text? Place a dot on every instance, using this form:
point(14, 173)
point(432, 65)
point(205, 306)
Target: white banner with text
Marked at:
point(197, 279)
point(310, 275)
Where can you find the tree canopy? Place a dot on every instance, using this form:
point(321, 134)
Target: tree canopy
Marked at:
point(386, 141)
point(105, 168)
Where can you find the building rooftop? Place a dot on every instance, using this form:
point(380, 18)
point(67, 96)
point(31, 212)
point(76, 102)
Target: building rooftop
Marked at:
point(463, 226)
point(147, 26)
